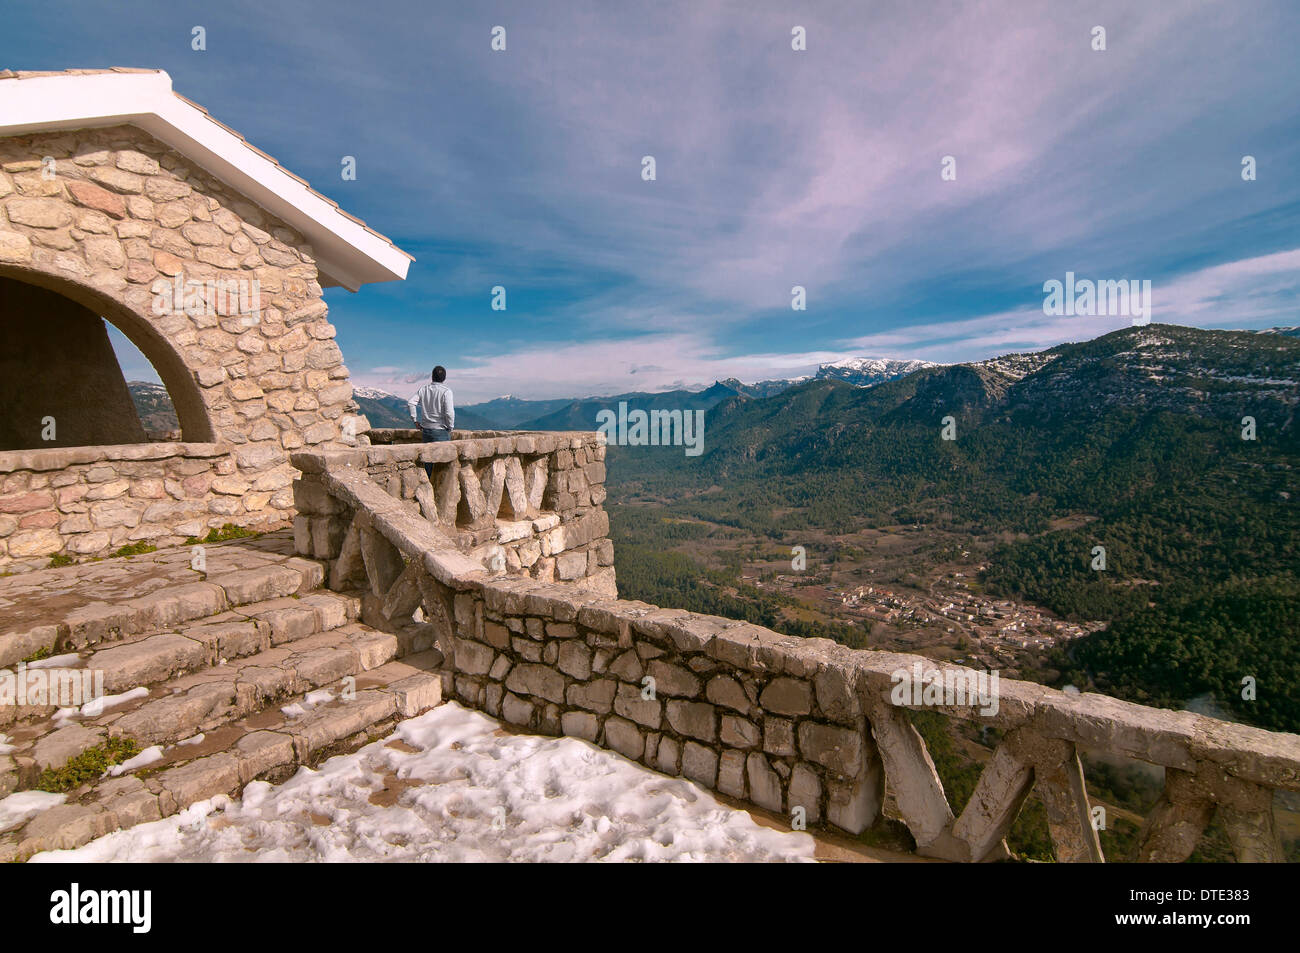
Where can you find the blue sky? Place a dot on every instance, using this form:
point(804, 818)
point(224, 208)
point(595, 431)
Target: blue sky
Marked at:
point(775, 168)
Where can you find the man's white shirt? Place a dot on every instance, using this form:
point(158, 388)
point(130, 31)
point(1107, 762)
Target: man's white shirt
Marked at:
point(432, 407)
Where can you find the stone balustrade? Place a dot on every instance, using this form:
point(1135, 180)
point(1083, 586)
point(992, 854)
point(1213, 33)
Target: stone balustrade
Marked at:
point(801, 727)
point(525, 503)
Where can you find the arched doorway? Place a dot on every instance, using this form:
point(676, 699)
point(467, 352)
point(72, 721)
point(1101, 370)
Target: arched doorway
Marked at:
point(60, 383)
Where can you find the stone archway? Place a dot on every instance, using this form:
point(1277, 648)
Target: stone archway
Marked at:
point(118, 223)
point(123, 228)
point(56, 363)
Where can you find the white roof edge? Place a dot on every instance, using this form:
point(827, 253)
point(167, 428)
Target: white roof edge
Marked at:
point(347, 252)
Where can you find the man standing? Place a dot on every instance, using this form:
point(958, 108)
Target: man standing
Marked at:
point(433, 412)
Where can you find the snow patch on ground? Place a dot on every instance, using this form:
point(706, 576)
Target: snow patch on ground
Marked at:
point(97, 707)
point(469, 791)
point(102, 704)
point(145, 758)
point(17, 808)
point(321, 696)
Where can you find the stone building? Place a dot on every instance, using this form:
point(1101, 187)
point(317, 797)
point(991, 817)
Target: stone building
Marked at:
point(123, 202)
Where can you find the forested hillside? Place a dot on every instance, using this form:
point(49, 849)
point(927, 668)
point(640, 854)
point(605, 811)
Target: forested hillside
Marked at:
point(1132, 442)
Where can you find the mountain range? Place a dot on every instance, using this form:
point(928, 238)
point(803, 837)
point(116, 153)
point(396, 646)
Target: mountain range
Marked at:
point(866, 371)
point(513, 413)
point(508, 412)
point(385, 410)
point(154, 406)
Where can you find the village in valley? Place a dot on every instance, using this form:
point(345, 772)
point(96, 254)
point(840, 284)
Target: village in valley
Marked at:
point(910, 594)
point(994, 634)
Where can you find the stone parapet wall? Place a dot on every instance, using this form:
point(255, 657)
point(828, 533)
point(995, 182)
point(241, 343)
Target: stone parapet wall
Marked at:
point(526, 504)
point(683, 693)
point(90, 501)
point(696, 696)
point(803, 727)
point(560, 656)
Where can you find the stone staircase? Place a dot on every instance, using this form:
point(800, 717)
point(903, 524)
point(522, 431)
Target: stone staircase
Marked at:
point(246, 671)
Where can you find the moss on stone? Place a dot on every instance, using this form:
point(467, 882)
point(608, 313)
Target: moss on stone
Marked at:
point(90, 765)
point(227, 532)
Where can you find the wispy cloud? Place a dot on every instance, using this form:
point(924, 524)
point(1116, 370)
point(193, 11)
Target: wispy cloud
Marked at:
point(655, 363)
point(1252, 292)
point(775, 168)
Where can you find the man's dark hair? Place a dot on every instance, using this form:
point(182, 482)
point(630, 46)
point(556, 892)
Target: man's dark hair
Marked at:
point(439, 374)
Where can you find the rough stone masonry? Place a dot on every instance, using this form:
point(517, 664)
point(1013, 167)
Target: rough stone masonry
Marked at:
point(100, 216)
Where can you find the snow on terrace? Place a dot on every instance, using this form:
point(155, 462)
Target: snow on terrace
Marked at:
point(434, 790)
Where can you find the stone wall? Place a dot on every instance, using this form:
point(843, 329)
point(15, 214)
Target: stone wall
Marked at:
point(121, 218)
point(682, 693)
point(90, 501)
point(685, 694)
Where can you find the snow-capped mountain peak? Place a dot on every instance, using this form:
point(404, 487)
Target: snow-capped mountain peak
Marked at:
point(865, 371)
point(370, 393)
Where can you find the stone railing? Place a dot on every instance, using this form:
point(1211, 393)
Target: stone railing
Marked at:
point(526, 503)
point(804, 727)
point(90, 501)
point(384, 436)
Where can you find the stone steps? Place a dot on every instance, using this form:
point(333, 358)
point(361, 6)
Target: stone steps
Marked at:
point(152, 657)
point(247, 671)
point(181, 705)
point(180, 595)
point(269, 744)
